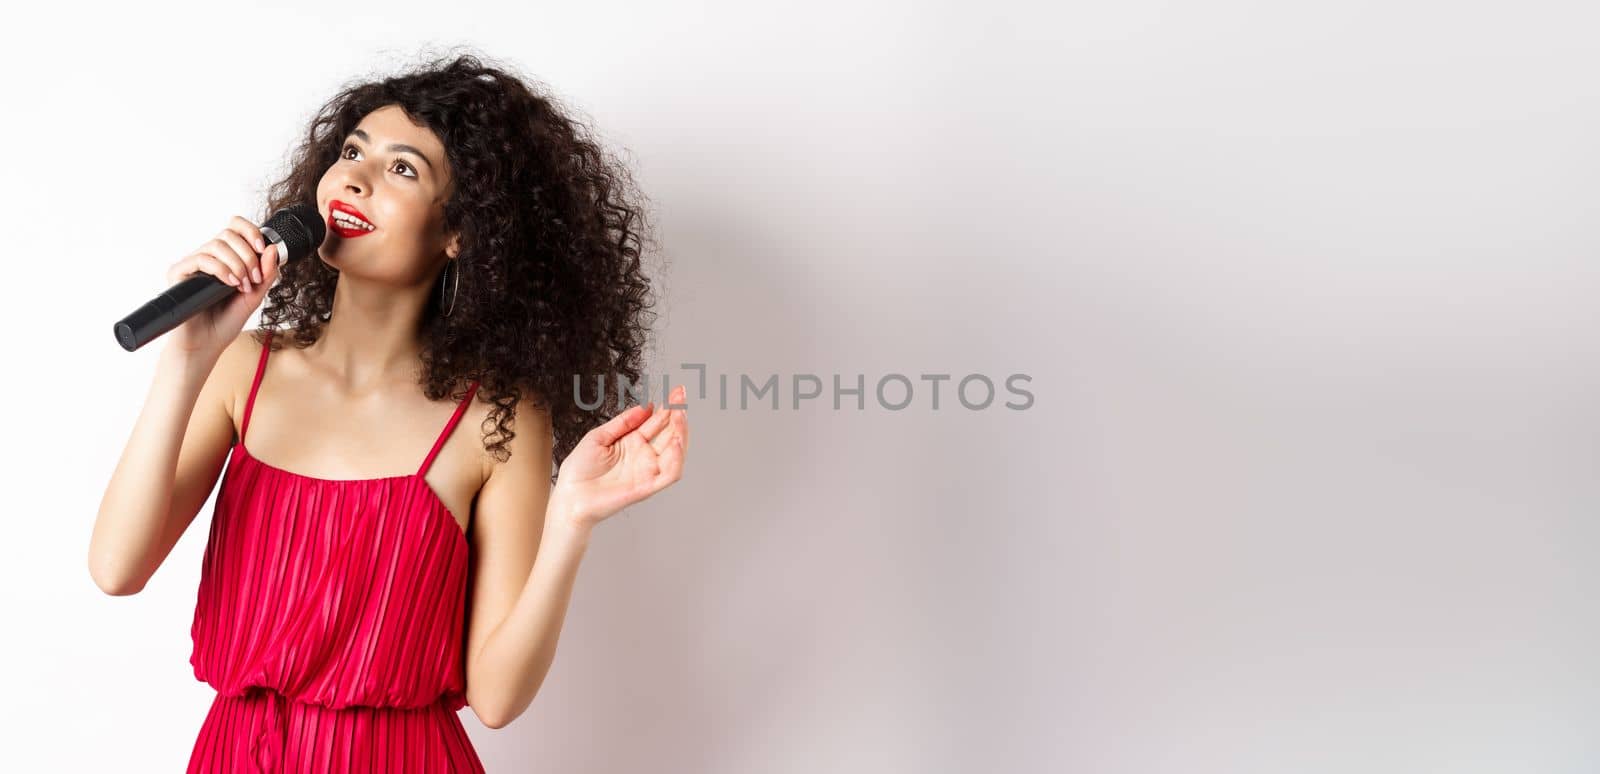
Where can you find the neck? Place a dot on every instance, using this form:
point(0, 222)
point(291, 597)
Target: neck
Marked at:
point(371, 337)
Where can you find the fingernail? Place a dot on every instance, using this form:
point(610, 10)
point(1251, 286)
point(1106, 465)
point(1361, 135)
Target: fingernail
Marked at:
point(255, 274)
point(260, 245)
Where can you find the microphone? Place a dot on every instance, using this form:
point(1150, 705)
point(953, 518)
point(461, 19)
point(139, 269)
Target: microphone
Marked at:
point(296, 230)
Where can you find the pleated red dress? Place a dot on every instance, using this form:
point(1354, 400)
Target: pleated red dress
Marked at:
point(331, 621)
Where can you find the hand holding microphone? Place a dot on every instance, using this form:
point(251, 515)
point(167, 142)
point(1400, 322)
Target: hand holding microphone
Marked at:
point(235, 257)
point(217, 286)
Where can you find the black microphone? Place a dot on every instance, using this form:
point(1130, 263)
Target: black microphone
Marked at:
point(296, 230)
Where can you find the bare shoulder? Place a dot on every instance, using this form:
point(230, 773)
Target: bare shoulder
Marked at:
point(235, 370)
point(532, 429)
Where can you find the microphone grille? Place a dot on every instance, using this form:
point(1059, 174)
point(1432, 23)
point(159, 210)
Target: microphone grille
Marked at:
point(301, 228)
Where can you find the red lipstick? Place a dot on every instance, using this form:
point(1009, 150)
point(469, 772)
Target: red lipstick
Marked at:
point(342, 226)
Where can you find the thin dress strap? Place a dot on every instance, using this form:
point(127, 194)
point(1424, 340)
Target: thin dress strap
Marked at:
point(449, 426)
point(261, 369)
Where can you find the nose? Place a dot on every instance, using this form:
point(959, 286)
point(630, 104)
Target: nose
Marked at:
point(355, 179)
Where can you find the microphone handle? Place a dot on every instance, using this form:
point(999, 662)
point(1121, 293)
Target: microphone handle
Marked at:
point(192, 295)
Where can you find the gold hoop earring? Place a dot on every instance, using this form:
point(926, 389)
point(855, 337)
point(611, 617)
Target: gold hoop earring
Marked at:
point(454, 286)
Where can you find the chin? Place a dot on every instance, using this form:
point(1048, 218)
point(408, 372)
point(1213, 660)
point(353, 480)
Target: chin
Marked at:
point(327, 257)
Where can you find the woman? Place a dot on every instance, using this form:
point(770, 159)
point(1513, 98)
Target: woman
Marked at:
point(482, 252)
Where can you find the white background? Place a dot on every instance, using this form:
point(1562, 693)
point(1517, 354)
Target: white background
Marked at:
point(1306, 292)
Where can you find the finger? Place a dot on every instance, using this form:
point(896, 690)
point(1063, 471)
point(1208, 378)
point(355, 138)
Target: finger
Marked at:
point(676, 426)
point(209, 264)
point(247, 256)
point(682, 422)
point(269, 264)
point(655, 424)
point(677, 397)
point(261, 287)
point(619, 425)
point(249, 231)
point(681, 428)
point(222, 251)
point(662, 441)
point(188, 266)
point(661, 429)
point(680, 416)
point(653, 431)
point(670, 463)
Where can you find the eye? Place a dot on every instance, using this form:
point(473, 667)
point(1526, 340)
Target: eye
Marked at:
point(345, 154)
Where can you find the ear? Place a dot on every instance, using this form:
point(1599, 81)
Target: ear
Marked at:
point(452, 248)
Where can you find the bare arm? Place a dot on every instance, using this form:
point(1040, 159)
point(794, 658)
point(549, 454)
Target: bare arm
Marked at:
point(534, 536)
point(518, 605)
point(169, 466)
point(180, 442)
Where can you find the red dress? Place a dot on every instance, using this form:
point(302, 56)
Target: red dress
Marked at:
point(331, 620)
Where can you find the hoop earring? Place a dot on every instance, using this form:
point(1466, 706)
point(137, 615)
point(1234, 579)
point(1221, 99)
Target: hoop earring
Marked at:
point(454, 286)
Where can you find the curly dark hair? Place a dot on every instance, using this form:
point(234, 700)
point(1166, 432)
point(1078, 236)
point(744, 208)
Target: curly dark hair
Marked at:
point(550, 277)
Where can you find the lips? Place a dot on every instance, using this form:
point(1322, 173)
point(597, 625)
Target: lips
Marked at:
point(342, 230)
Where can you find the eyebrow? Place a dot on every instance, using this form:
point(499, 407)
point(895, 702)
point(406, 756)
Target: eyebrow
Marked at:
point(397, 148)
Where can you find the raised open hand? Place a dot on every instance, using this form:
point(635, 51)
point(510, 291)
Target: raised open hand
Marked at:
point(629, 458)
